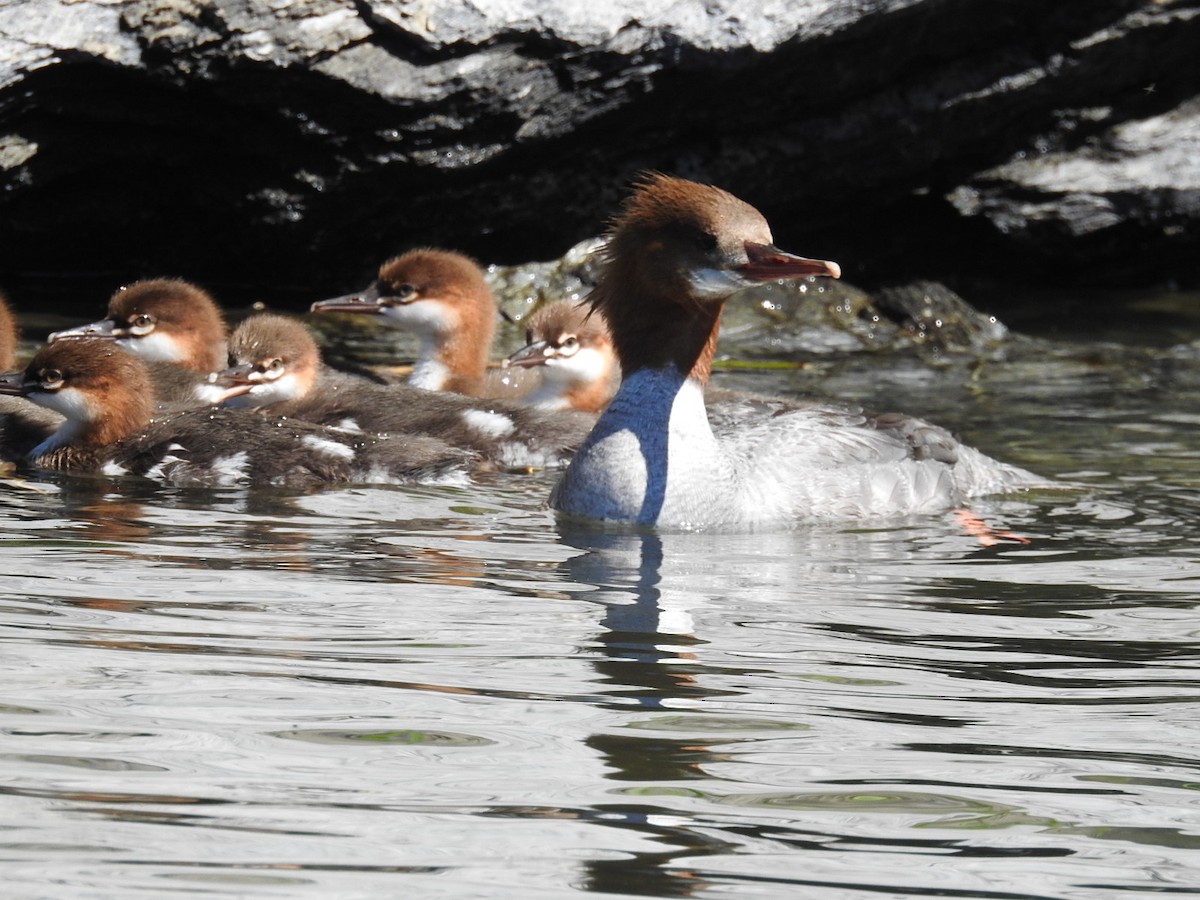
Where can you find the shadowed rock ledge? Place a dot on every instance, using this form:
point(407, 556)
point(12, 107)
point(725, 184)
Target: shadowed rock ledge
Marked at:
point(280, 150)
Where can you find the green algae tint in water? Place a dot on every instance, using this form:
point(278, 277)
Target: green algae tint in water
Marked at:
point(440, 692)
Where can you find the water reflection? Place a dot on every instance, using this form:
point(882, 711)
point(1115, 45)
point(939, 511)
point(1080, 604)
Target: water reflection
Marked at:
point(650, 584)
point(444, 692)
point(654, 585)
point(644, 656)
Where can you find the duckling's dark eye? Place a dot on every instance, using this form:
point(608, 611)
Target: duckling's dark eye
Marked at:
point(142, 324)
point(274, 367)
point(391, 292)
point(51, 379)
point(706, 241)
point(569, 342)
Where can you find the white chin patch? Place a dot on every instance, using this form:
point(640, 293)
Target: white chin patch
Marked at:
point(156, 346)
point(428, 316)
point(585, 366)
point(70, 402)
point(283, 388)
point(263, 393)
point(716, 284)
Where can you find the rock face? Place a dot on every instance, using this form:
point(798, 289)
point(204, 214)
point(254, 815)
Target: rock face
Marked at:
point(279, 149)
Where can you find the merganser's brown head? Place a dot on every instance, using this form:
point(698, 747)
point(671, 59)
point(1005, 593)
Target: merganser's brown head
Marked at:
point(442, 297)
point(272, 359)
point(162, 320)
point(103, 392)
point(575, 351)
point(8, 336)
point(675, 254)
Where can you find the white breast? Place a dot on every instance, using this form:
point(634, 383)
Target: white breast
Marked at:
point(651, 458)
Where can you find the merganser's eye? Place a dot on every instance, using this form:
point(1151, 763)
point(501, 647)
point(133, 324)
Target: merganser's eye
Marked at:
point(569, 342)
point(274, 368)
point(706, 241)
point(142, 324)
point(51, 379)
point(404, 291)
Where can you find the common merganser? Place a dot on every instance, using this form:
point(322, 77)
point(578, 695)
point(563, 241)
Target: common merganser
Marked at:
point(272, 359)
point(275, 364)
point(442, 297)
point(674, 255)
point(574, 352)
point(104, 394)
point(172, 325)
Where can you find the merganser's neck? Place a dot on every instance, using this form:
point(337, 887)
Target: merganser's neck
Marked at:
point(123, 414)
point(656, 322)
point(454, 356)
point(431, 371)
point(465, 356)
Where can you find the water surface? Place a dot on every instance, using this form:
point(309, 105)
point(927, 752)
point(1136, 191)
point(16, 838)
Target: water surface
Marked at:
point(443, 692)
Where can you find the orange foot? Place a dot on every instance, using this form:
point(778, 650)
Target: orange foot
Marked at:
point(982, 532)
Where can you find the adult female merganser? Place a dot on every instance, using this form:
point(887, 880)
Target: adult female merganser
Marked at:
point(275, 365)
point(574, 351)
point(104, 394)
point(170, 324)
point(674, 256)
point(441, 297)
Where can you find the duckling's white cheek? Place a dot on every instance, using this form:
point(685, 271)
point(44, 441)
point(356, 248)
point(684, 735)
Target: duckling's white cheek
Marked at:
point(153, 347)
point(70, 402)
point(586, 365)
point(421, 316)
point(283, 388)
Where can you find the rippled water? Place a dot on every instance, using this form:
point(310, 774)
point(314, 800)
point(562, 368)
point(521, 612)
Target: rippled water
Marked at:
point(444, 693)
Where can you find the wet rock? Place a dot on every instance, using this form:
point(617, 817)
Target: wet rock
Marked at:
point(523, 289)
point(934, 315)
point(1103, 199)
point(279, 150)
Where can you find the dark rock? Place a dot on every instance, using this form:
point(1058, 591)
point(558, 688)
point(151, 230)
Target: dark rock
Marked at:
point(1122, 199)
point(279, 150)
